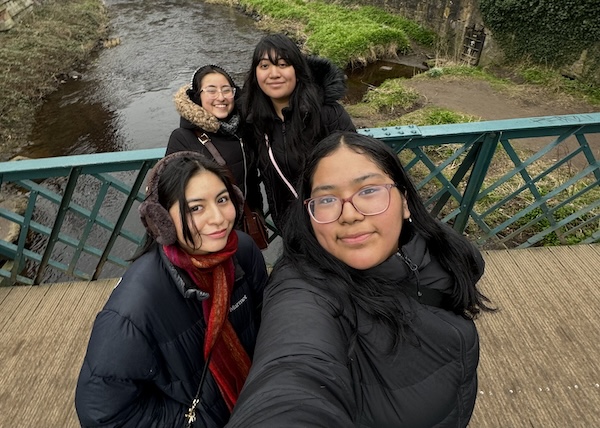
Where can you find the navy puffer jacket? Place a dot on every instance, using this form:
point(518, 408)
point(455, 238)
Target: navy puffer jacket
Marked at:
point(144, 359)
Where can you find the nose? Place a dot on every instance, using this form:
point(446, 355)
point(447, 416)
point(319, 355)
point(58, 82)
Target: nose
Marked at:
point(274, 71)
point(349, 213)
point(215, 216)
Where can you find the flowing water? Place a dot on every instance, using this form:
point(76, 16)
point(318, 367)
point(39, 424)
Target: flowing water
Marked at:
point(123, 100)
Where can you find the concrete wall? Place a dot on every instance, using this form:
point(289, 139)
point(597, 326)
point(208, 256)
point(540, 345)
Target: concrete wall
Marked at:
point(10, 10)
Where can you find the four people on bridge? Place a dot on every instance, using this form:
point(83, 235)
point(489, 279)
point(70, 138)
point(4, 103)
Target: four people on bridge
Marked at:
point(368, 314)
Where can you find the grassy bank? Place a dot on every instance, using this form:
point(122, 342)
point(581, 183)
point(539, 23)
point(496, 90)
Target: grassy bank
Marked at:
point(348, 36)
point(36, 54)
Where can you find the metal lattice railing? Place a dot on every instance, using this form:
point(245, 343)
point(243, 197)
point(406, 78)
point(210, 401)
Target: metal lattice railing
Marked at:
point(506, 184)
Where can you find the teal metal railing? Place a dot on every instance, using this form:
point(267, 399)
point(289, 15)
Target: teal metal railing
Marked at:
point(505, 184)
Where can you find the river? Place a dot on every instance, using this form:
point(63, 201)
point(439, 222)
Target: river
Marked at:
point(124, 97)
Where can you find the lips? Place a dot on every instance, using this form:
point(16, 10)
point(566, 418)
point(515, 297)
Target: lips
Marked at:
point(218, 235)
point(355, 238)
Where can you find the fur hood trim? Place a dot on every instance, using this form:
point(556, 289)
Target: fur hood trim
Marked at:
point(194, 113)
point(329, 77)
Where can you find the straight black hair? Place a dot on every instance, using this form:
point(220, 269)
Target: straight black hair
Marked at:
point(454, 252)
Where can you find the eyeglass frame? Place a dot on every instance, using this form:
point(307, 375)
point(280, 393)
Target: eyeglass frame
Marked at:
point(388, 187)
point(219, 91)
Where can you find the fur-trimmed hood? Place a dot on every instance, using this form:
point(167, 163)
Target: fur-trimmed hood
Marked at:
point(329, 77)
point(193, 115)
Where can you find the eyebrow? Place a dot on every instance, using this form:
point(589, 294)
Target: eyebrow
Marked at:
point(358, 180)
point(189, 201)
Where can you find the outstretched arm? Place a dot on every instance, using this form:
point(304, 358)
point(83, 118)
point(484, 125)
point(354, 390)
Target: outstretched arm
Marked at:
point(299, 375)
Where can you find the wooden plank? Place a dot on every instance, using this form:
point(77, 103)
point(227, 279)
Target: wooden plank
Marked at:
point(42, 352)
point(539, 354)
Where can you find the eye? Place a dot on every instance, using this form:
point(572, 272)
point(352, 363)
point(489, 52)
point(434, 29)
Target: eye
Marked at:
point(222, 200)
point(282, 63)
point(211, 91)
point(196, 208)
point(325, 200)
point(369, 191)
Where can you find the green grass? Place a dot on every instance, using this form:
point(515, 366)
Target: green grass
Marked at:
point(431, 116)
point(45, 44)
point(553, 79)
point(391, 96)
point(348, 36)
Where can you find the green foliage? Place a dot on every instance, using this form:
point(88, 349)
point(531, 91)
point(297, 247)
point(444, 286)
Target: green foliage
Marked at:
point(391, 96)
point(551, 32)
point(551, 78)
point(354, 36)
point(432, 116)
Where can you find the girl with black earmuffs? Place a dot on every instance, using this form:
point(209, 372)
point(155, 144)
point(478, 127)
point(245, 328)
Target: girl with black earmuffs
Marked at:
point(173, 344)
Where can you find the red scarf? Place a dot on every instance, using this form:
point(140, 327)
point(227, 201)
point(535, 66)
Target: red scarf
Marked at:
point(214, 273)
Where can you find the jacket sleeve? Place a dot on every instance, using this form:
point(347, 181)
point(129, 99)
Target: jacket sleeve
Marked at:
point(113, 389)
point(253, 193)
point(178, 142)
point(299, 376)
point(336, 118)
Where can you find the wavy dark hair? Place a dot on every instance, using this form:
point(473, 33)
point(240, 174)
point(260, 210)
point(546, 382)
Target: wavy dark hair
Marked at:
point(171, 189)
point(376, 295)
point(305, 101)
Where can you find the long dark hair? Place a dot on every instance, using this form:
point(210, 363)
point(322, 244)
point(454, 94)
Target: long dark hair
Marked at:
point(171, 186)
point(305, 101)
point(454, 252)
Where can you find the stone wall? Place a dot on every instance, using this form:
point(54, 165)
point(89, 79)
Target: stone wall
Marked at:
point(10, 10)
point(448, 18)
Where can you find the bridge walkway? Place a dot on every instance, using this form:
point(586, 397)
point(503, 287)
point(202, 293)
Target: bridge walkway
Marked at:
point(540, 354)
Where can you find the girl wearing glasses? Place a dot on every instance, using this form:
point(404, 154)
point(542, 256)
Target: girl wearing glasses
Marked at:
point(290, 102)
point(368, 316)
point(208, 112)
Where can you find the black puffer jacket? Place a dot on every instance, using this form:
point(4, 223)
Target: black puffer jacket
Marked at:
point(310, 371)
point(239, 158)
point(144, 359)
point(333, 118)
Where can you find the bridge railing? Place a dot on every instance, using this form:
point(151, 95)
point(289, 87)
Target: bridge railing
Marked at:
point(505, 184)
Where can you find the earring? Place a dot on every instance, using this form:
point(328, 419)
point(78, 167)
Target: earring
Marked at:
point(409, 220)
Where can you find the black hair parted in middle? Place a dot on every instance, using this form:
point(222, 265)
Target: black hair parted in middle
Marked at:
point(454, 252)
point(305, 101)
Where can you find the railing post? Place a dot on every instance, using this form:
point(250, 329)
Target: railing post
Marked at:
point(60, 216)
point(485, 152)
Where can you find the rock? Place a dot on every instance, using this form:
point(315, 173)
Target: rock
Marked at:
point(9, 231)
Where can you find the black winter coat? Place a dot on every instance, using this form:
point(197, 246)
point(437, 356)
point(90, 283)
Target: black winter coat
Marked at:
point(333, 118)
point(310, 371)
point(239, 158)
point(144, 358)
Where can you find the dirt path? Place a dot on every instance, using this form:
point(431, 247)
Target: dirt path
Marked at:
point(478, 98)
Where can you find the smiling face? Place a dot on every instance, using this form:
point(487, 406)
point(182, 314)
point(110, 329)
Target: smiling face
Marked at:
point(277, 81)
point(220, 106)
point(212, 214)
point(360, 241)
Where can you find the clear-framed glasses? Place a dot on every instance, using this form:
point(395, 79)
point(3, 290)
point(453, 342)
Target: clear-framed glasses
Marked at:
point(369, 200)
point(213, 92)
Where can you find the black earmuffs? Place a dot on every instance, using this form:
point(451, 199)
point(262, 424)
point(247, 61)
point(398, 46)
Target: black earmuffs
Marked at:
point(156, 218)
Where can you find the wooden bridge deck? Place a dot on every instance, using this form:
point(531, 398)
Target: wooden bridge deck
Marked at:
point(540, 354)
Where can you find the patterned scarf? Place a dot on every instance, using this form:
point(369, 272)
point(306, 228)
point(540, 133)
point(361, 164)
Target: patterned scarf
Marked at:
point(230, 127)
point(214, 273)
